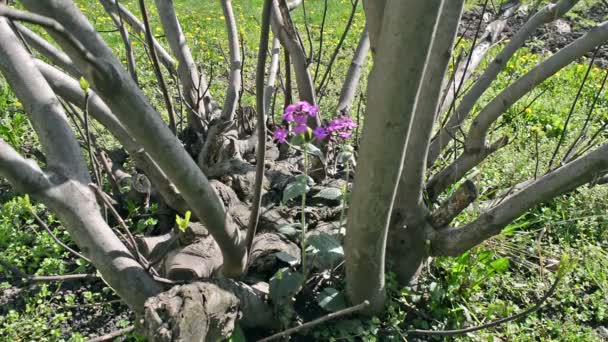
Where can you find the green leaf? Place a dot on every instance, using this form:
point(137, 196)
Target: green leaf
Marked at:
point(331, 300)
point(284, 285)
point(287, 258)
point(291, 229)
point(346, 157)
point(315, 151)
point(500, 265)
point(296, 188)
point(237, 335)
point(298, 140)
point(84, 85)
point(328, 249)
point(182, 223)
point(331, 194)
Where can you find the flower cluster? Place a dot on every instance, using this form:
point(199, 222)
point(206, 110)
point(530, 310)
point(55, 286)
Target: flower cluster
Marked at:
point(297, 115)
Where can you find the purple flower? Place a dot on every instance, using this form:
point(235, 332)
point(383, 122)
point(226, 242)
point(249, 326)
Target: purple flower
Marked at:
point(281, 134)
point(320, 133)
point(348, 123)
point(345, 134)
point(300, 119)
point(342, 127)
point(335, 125)
point(288, 115)
point(300, 129)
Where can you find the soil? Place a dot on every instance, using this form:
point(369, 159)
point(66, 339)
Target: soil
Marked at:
point(548, 38)
point(91, 319)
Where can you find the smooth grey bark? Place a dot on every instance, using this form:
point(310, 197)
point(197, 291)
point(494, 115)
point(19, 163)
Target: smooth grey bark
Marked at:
point(194, 82)
point(411, 182)
point(273, 70)
point(349, 87)
point(374, 12)
point(111, 7)
point(117, 18)
point(465, 68)
point(408, 222)
point(454, 241)
point(42, 106)
point(283, 28)
point(49, 51)
point(481, 124)
point(547, 14)
point(121, 94)
point(236, 63)
point(393, 89)
point(64, 187)
point(452, 173)
point(476, 146)
point(69, 89)
point(77, 209)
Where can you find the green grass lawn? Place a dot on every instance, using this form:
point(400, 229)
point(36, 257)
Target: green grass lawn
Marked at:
point(494, 280)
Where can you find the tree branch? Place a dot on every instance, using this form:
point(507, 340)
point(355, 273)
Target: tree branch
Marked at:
point(261, 125)
point(481, 124)
point(547, 14)
point(48, 50)
point(111, 6)
point(283, 27)
point(236, 64)
point(394, 86)
point(121, 94)
point(194, 83)
point(349, 87)
point(451, 241)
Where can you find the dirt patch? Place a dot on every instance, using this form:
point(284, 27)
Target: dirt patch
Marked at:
point(549, 38)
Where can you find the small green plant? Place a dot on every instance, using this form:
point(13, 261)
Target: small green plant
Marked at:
point(182, 223)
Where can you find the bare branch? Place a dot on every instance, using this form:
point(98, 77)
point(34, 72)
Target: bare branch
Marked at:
point(70, 90)
point(194, 83)
point(349, 88)
point(51, 25)
point(121, 94)
point(157, 70)
point(374, 11)
point(124, 35)
point(283, 27)
point(236, 64)
point(49, 51)
point(111, 6)
point(547, 14)
point(411, 182)
point(394, 86)
point(261, 125)
point(460, 200)
point(334, 55)
point(481, 124)
point(65, 190)
point(456, 170)
point(25, 175)
point(42, 107)
point(454, 241)
point(273, 70)
point(318, 321)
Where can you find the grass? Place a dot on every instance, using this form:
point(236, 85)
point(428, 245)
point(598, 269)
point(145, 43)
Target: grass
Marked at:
point(501, 277)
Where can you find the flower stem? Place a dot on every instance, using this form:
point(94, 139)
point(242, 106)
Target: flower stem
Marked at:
point(344, 193)
point(303, 218)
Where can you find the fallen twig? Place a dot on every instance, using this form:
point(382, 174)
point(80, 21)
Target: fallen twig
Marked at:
point(113, 335)
point(317, 321)
point(497, 322)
